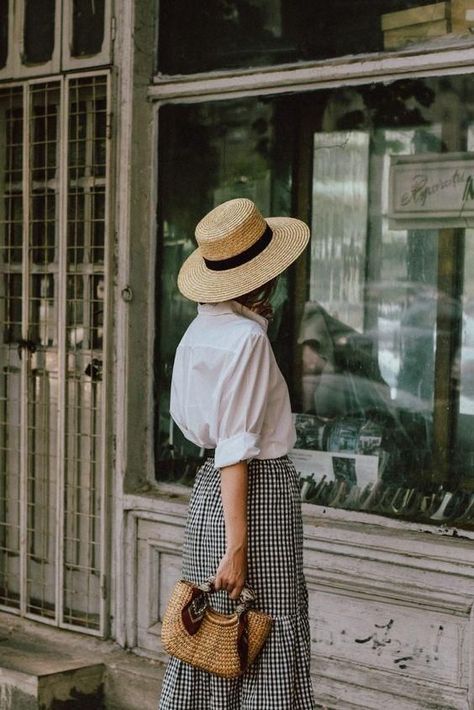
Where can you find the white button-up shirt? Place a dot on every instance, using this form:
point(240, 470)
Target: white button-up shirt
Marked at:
point(227, 392)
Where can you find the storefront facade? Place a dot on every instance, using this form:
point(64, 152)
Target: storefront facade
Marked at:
point(357, 117)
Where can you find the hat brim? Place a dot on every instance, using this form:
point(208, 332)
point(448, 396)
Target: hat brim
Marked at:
point(198, 283)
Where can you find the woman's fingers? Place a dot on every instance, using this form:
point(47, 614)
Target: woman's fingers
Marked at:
point(228, 584)
point(231, 585)
point(235, 593)
point(231, 573)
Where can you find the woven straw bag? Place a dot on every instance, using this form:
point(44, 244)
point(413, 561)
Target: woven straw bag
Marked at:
point(222, 644)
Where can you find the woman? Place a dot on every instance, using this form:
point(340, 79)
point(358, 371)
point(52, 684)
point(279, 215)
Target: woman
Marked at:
point(244, 521)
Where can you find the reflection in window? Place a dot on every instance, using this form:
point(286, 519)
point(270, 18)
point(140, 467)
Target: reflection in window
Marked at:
point(38, 31)
point(222, 34)
point(87, 27)
point(339, 229)
point(377, 337)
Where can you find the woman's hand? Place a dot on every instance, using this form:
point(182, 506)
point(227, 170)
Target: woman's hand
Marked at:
point(232, 571)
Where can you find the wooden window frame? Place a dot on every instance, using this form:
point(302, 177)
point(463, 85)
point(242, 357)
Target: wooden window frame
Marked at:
point(103, 57)
point(61, 59)
point(455, 56)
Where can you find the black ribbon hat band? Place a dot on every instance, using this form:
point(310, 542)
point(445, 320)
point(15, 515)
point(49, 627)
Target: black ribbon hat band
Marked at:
point(257, 247)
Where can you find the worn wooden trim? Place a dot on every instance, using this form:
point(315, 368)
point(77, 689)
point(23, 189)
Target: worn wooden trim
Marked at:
point(154, 269)
point(107, 404)
point(313, 515)
point(121, 276)
point(130, 553)
point(25, 305)
point(452, 56)
point(471, 656)
point(362, 537)
point(62, 344)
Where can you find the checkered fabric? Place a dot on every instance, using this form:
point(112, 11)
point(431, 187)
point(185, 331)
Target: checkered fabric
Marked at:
point(280, 678)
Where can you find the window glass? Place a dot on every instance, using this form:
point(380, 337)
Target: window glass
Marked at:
point(222, 34)
point(11, 213)
point(3, 32)
point(38, 31)
point(374, 326)
point(88, 27)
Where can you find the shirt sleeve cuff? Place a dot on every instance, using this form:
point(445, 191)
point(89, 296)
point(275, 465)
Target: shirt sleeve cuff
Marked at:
point(237, 448)
point(185, 431)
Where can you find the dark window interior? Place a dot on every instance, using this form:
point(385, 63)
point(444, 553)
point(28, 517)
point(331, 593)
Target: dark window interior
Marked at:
point(39, 31)
point(220, 34)
point(88, 27)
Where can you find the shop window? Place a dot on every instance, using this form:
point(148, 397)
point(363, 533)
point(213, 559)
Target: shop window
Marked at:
point(38, 31)
point(223, 34)
point(88, 27)
point(374, 326)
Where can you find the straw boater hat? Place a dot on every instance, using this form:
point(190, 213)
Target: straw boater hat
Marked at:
point(238, 251)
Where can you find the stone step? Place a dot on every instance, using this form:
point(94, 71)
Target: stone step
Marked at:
point(44, 668)
point(65, 687)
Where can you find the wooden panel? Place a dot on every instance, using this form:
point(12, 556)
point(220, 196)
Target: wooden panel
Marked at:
point(415, 643)
point(459, 22)
point(158, 568)
point(390, 610)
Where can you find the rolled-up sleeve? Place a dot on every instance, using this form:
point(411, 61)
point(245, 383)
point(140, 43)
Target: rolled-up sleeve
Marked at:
point(242, 402)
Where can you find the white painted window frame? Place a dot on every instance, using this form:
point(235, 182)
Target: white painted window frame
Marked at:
point(8, 70)
point(14, 68)
point(64, 83)
point(451, 56)
point(103, 57)
point(61, 59)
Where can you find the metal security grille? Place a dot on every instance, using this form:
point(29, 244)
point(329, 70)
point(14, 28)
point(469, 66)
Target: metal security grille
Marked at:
point(54, 158)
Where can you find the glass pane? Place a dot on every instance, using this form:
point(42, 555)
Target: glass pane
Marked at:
point(3, 32)
point(38, 31)
point(374, 333)
point(87, 27)
point(222, 34)
point(12, 285)
point(11, 252)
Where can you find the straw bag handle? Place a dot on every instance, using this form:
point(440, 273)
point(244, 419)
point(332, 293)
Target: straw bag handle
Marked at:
point(246, 598)
point(193, 612)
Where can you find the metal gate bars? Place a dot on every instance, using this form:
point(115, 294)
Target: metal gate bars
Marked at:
point(54, 205)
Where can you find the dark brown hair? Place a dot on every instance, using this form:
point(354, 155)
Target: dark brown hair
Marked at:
point(258, 300)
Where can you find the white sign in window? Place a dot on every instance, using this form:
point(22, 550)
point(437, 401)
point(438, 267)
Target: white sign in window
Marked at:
point(431, 191)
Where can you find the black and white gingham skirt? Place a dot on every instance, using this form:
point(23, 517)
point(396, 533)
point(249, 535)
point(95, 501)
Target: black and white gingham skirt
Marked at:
point(279, 679)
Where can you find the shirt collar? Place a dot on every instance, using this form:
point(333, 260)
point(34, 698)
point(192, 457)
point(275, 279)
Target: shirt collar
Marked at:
point(216, 309)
